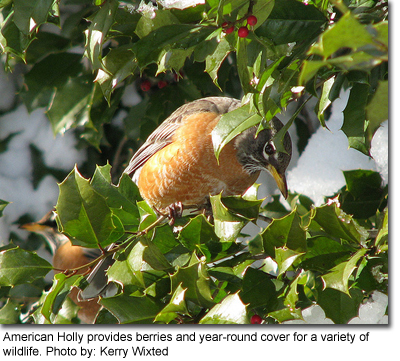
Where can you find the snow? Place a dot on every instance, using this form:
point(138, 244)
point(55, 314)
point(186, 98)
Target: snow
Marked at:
point(16, 167)
point(318, 172)
point(312, 315)
point(372, 311)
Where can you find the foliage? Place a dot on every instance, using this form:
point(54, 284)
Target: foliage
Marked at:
point(199, 271)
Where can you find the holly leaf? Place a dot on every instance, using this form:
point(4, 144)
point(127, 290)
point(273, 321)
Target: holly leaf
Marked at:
point(96, 34)
point(338, 277)
point(121, 199)
point(132, 309)
point(284, 232)
point(257, 289)
point(232, 124)
point(230, 310)
point(18, 266)
point(337, 223)
point(10, 312)
point(58, 293)
point(3, 204)
point(29, 15)
point(196, 232)
point(175, 307)
point(83, 214)
point(195, 279)
point(227, 225)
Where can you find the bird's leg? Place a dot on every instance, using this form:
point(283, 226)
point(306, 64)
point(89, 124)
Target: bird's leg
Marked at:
point(206, 209)
point(174, 211)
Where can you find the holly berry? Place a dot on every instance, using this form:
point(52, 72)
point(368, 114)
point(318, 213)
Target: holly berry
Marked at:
point(229, 30)
point(243, 32)
point(252, 20)
point(255, 319)
point(161, 84)
point(226, 29)
point(145, 85)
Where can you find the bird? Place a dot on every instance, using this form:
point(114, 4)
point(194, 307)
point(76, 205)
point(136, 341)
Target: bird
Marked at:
point(176, 165)
point(66, 256)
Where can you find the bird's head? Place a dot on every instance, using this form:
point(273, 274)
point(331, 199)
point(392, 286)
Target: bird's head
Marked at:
point(257, 152)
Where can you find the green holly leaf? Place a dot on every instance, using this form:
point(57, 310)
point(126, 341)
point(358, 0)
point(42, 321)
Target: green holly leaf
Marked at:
point(227, 225)
point(96, 34)
point(196, 232)
point(18, 266)
point(175, 307)
point(284, 258)
point(216, 58)
point(339, 224)
point(83, 214)
point(128, 267)
point(257, 289)
point(71, 103)
point(176, 36)
point(338, 306)
point(284, 232)
point(232, 124)
point(131, 309)
point(3, 204)
point(58, 293)
point(68, 314)
point(338, 277)
point(378, 108)
point(10, 312)
point(291, 21)
point(118, 64)
point(29, 15)
point(48, 75)
point(195, 279)
point(324, 253)
point(230, 310)
point(121, 199)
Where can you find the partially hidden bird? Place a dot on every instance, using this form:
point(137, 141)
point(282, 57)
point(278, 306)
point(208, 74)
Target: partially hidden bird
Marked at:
point(67, 257)
point(177, 164)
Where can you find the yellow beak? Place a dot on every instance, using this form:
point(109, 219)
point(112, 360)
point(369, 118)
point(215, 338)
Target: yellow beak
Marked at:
point(280, 180)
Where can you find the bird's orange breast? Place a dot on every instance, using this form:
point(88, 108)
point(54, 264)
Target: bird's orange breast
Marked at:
point(187, 171)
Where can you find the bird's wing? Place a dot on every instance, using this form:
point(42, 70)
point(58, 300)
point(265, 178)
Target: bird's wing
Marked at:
point(163, 135)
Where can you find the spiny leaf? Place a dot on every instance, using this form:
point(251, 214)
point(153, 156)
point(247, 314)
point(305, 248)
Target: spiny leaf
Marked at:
point(230, 310)
point(175, 307)
point(84, 214)
point(338, 277)
point(18, 266)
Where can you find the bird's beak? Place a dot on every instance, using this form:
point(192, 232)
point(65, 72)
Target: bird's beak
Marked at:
point(280, 180)
point(33, 227)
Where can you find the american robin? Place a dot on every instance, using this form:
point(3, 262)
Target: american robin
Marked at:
point(177, 165)
point(66, 257)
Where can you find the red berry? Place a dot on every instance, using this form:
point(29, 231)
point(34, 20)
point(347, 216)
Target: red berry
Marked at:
point(243, 32)
point(145, 85)
point(225, 28)
point(161, 84)
point(252, 20)
point(255, 319)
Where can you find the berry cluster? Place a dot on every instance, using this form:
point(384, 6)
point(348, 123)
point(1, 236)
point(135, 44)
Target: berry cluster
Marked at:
point(149, 83)
point(243, 31)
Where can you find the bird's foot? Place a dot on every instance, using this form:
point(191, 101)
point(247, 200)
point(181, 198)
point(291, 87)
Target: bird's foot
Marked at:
point(174, 211)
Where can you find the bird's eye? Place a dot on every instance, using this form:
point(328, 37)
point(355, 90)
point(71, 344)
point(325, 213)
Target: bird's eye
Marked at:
point(269, 149)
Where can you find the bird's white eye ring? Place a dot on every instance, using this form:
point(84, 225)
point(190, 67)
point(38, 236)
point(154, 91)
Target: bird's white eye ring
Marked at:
point(269, 149)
